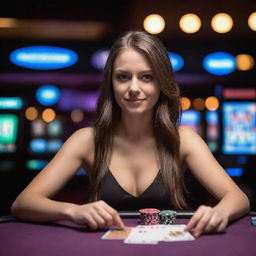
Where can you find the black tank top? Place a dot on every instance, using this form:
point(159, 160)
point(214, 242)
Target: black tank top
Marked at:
point(155, 196)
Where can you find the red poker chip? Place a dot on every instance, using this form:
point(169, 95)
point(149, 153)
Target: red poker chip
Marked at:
point(149, 216)
point(149, 210)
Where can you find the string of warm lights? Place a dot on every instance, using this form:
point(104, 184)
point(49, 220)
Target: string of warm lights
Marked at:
point(211, 103)
point(155, 23)
point(191, 23)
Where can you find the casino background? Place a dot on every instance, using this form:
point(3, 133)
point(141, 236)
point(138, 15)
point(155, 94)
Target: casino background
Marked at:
point(218, 101)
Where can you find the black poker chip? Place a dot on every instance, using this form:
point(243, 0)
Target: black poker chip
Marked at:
point(167, 217)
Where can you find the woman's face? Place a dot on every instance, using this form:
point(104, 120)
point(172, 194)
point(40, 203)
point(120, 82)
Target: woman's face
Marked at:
point(135, 88)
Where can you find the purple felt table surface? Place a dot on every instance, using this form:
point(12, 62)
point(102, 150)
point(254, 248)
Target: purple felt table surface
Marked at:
point(67, 239)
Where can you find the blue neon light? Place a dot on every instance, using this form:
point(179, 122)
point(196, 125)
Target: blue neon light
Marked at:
point(219, 63)
point(48, 95)
point(43, 57)
point(234, 172)
point(212, 117)
point(176, 60)
point(11, 103)
point(190, 117)
point(38, 145)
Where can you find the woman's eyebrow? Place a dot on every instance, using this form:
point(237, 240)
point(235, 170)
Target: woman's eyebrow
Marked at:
point(127, 71)
point(121, 70)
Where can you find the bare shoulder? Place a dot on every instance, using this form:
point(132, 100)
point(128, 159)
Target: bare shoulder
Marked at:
point(82, 142)
point(187, 132)
point(84, 134)
point(189, 140)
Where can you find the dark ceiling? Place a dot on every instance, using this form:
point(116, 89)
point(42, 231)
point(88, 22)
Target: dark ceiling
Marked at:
point(117, 16)
point(88, 25)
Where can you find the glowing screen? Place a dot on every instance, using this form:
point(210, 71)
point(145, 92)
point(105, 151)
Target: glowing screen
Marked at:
point(8, 128)
point(8, 132)
point(239, 128)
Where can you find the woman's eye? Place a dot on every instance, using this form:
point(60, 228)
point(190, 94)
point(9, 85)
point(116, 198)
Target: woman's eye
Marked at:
point(122, 77)
point(147, 78)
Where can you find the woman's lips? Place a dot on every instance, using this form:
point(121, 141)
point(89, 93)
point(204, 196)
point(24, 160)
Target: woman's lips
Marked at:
point(135, 100)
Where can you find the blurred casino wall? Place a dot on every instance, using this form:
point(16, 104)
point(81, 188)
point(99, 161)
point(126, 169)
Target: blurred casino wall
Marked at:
point(218, 92)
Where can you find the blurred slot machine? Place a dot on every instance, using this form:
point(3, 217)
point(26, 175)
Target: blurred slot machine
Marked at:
point(53, 125)
point(238, 112)
point(73, 111)
point(45, 128)
point(45, 140)
point(11, 131)
point(12, 140)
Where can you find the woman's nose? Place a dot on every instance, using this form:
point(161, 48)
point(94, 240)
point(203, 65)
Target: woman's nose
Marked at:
point(134, 85)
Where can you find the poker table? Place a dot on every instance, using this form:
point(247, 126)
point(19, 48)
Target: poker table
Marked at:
point(64, 238)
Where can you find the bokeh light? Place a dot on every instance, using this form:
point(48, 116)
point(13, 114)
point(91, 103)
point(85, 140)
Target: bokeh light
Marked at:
point(176, 60)
point(185, 103)
point(190, 23)
point(48, 115)
point(55, 128)
point(219, 63)
point(43, 57)
point(198, 104)
point(31, 113)
point(48, 95)
point(77, 115)
point(38, 145)
point(222, 23)
point(244, 62)
point(38, 127)
point(212, 103)
point(154, 24)
point(252, 21)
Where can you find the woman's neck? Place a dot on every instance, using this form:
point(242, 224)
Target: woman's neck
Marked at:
point(135, 127)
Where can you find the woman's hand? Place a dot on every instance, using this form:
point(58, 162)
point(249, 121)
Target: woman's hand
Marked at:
point(207, 220)
point(97, 215)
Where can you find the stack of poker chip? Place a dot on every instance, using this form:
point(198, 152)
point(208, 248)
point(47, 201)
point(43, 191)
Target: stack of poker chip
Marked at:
point(167, 217)
point(149, 216)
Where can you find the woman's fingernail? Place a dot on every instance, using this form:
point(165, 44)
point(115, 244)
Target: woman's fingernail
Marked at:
point(197, 234)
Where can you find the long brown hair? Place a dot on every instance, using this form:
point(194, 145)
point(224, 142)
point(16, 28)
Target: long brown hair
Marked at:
point(165, 119)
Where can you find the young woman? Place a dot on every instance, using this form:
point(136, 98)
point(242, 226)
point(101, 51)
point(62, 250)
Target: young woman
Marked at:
point(136, 153)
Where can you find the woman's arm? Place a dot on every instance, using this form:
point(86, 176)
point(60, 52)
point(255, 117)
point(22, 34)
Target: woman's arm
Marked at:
point(233, 203)
point(35, 203)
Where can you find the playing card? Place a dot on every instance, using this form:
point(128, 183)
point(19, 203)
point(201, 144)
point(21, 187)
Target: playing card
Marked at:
point(116, 234)
point(176, 233)
point(152, 234)
point(142, 235)
point(156, 233)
